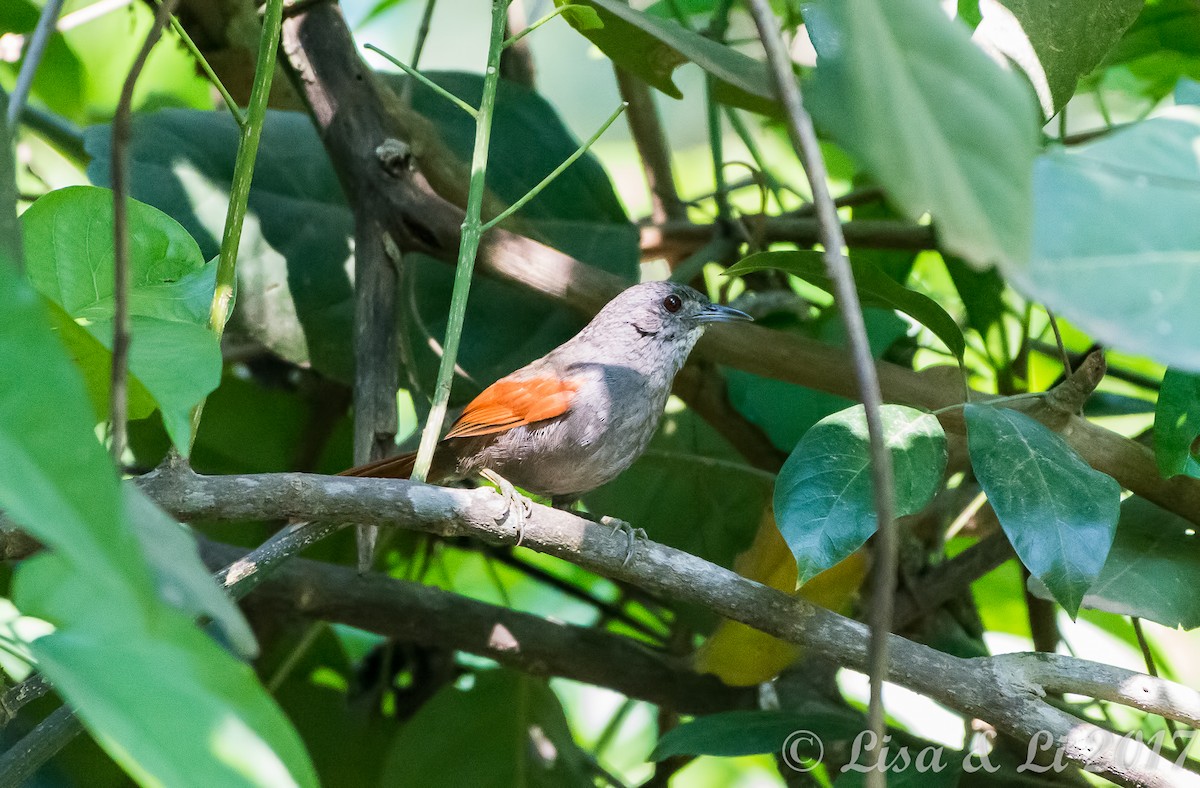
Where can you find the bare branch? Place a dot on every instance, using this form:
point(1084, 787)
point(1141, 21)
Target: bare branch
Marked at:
point(415, 613)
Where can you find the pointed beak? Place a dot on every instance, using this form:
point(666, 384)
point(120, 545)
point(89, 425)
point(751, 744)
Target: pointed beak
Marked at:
point(715, 313)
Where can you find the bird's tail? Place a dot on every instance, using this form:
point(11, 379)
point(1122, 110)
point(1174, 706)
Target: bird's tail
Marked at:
point(398, 467)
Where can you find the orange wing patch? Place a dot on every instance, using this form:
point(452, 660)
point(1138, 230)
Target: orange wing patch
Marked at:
point(511, 403)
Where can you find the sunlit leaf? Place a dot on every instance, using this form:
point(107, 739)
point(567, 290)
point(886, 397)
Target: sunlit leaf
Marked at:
point(941, 126)
point(1115, 249)
point(733, 733)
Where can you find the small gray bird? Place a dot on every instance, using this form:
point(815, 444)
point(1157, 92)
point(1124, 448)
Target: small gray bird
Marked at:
point(580, 415)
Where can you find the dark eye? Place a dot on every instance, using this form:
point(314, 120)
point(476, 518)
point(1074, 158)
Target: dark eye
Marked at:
point(672, 303)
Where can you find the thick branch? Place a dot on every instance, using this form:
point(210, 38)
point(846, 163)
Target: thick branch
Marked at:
point(991, 689)
point(428, 616)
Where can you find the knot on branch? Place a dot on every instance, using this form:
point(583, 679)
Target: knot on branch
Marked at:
point(395, 157)
point(1070, 395)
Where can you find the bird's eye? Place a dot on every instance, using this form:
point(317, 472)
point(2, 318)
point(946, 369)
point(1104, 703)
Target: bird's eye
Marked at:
point(672, 303)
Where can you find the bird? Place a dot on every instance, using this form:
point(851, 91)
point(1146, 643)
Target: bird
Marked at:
point(577, 417)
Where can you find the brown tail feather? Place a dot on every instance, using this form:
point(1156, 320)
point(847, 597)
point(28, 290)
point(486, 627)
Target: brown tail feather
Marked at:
point(398, 467)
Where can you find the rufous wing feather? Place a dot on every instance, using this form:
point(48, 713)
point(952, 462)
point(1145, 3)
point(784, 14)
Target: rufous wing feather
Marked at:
point(509, 403)
point(398, 467)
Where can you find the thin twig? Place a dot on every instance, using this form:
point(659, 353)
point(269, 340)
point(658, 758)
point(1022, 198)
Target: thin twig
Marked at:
point(536, 190)
point(33, 58)
point(16, 698)
point(10, 227)
point(804, 139)
point(201, 61)
point(472, 230)
point(1058, 340)
point(426, 81)
point(63, 135)
point(122, 131)
point(652, 147)
point(516, 61)
point(422, 32)
point(23, 759)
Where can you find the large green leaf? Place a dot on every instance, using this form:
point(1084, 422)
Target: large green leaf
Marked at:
point(1057, 511)
point(508, 729)
point(120, 655)
point(173, 356)
point(1161, 46)
point(1177, 424)
point(940, 125)
point(1055, 43)
point(823, 498)
point(653, 47)
point(733, 733)
point(170, 705)
point(295, 290)
point(1153, 569)
point(875, 288)
point(1115, 247)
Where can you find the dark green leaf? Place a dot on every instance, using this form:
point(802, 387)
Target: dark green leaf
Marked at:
point(875, 288)
point(1161, 46)
point(940, 125)
point(1177, 424)
point(506, 730)
point(982, 294)
point(653, 47)
point(823, 498)
point(1032, 33)
point(733, 733)
point(1057, 511)
point(1153, 569)
point(173, 356)
point(1115, 246)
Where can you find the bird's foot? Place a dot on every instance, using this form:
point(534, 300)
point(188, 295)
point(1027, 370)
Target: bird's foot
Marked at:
point(516, 504)
point(631, 533)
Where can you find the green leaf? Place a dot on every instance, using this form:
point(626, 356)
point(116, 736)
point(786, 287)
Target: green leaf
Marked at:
point(295, 290)
point(1162, 46)
point(940, 125)
point(1177, 425)
point(511, 725)
point(128, 663)
point(1115, 248)
point(653, 48)
point(581, 17)
point(875, 288)
point(1032, 33)
point(42, 435)
point(823, 497)
point(1153, 569)
point(733, 733)
point(60, 76)
point(182, 578)
point(982, 294)
point(169, 705)
point(1057, 511)
point(173, 357)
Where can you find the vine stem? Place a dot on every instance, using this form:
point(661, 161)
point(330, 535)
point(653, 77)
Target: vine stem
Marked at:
point(122, 131)
point(804, 139)
point(250, 133)
point(33, 58)
point(472, 230)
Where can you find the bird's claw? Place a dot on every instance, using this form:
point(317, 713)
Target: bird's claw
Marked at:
point(512, 500)
point(631, 533)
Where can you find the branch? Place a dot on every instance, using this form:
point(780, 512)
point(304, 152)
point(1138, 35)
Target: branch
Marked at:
point(19, 762)
point(416, 613)
point(1001, 691)
point(652, 147)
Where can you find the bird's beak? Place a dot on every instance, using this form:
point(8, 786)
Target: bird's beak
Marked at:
point(715, 313)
